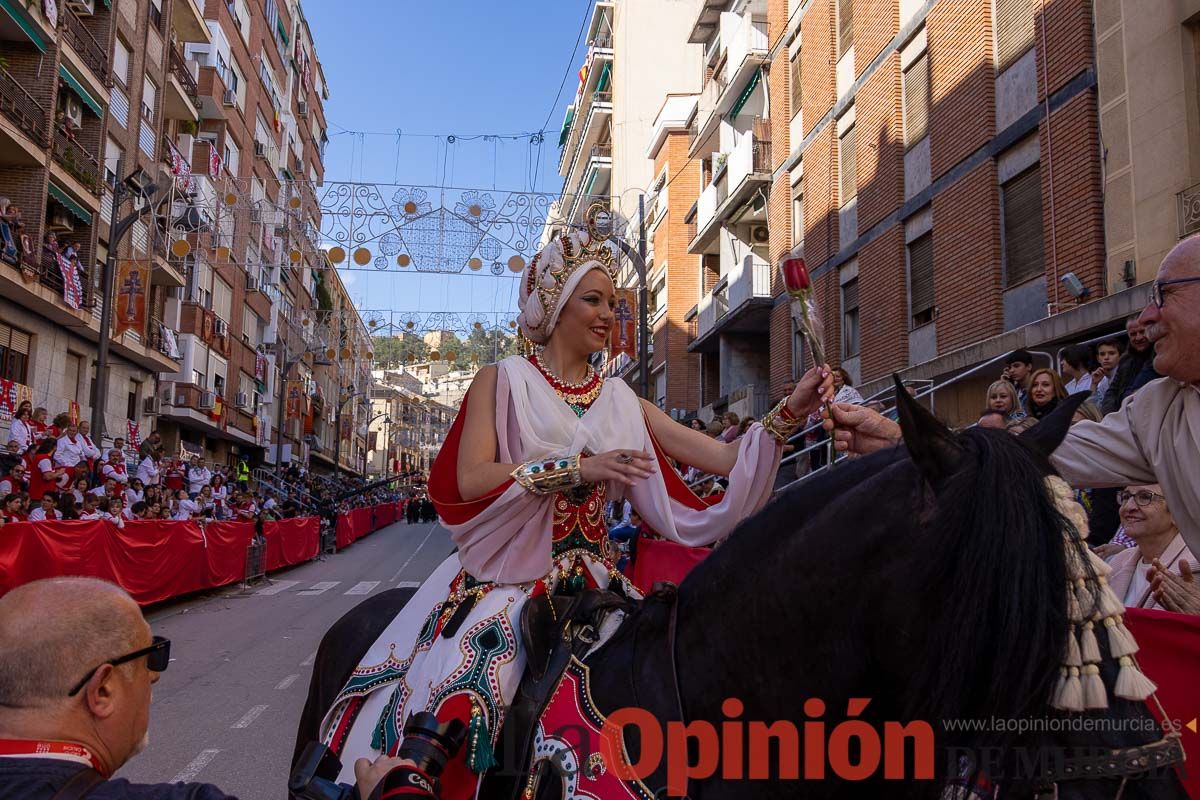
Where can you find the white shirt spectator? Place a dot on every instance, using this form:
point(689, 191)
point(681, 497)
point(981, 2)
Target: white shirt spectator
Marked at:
point(7, 486)
point(89, 447)
point(39, 515)
point(94, 515)
point(185, 510)
point(78, 496)
point(118, 521)
point(198, 478)
point(44, 465)
point(1081, 384)
point(21, 432)
point(98, 491)
point(220, 495)
point(69, 453)
point(132, 497)
point(117, 473)
point(148, 472)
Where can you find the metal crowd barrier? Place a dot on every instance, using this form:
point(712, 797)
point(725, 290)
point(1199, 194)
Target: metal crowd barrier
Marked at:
point(255, 560)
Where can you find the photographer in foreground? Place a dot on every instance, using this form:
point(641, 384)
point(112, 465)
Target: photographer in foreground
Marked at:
point(77, 663)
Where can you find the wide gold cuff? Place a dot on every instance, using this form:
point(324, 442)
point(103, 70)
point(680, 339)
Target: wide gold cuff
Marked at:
point(780, 423)
point(549, 475)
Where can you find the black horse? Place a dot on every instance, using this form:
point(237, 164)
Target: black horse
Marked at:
point(927, 579)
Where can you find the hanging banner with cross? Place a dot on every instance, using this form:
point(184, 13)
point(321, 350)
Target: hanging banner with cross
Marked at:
point(624, 333)
point(133, 285)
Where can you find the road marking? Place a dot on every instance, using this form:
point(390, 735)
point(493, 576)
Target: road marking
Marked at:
point(250, 716)
point(404, 566)
point(320, 588)
point(362, 587)
point(189, 773)
point(286, 682)
point(408, 585)
point(308, 662)
point(277, 587)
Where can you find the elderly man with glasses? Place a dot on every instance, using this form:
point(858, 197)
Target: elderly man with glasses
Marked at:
point(1153, 438)
point(77, 663)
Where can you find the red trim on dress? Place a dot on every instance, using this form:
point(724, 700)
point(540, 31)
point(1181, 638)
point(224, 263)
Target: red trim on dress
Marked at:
point(443, 478)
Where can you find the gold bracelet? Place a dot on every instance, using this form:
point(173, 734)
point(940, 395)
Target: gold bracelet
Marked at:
point(549, 476)
point(780, 423)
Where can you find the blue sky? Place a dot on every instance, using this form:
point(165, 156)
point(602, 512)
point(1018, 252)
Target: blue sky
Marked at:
point(461, 67)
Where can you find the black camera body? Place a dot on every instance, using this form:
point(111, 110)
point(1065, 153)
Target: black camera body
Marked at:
point(428, 743)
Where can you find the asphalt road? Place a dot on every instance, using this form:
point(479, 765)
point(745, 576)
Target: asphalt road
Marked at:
point(226, 710)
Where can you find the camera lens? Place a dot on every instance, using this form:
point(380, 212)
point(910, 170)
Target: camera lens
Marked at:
point(430, 744)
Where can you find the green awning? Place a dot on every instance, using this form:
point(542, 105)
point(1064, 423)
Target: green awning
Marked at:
point(282, 31)
point(566, 126)
point(78, 211)
point(744, 97)
point(77, 87)
point(605, 74)
point(287, 173)
point(24, 24)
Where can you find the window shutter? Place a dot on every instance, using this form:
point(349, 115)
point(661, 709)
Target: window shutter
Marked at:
point(916, 101)
point(1014, 30)
point(1023, 227)
point(920, 276)
point(850, 296)
point(794, 75)
point(845, 26)
point(848, 165)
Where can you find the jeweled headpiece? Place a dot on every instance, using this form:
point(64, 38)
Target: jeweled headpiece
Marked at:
point(552, 275)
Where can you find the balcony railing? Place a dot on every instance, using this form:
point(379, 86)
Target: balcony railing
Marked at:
point(50, 276)
point(19, 106)
point(603, 41)
point(78, 162)
point(1188, 205)
point(600, 151)
point(81, 39)
point(180, 71)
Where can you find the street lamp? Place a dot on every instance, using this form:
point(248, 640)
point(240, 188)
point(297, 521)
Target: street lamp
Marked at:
point(137, 185)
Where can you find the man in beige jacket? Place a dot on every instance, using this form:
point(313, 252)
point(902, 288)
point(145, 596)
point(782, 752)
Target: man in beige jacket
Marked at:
point(1153, 438)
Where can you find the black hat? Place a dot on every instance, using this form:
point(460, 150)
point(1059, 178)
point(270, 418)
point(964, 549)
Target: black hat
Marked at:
point(1021, 356)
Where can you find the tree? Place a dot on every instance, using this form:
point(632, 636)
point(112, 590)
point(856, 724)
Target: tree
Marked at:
point(392, 352)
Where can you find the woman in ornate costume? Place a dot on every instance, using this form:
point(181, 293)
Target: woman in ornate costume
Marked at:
point(521, 482)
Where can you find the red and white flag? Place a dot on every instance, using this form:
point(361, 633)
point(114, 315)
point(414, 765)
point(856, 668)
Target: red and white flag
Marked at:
point(214, 161)
point(72, 286)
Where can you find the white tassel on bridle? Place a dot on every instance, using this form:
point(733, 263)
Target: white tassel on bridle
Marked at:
point(1091, 603)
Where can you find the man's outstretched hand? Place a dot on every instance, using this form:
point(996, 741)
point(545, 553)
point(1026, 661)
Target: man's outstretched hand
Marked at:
point(859, 430)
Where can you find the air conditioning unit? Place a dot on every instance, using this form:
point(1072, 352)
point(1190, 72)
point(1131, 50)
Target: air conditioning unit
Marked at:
point(73, 110)
point(760, 234)
point(260, 150)
point(208, 400)
point(166, 393)
point(230, 98)
point(60, 220)
point(242, 400)
point(252, 285)
point(220, 327)
point(152, 405)
point(82, 6)
point(302, 109)
point(256, 215)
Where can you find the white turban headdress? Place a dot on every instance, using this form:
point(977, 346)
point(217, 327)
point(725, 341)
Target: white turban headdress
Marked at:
point(552, 276)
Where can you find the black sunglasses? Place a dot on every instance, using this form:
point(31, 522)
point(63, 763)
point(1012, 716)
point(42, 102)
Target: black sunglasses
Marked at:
point(158, 656)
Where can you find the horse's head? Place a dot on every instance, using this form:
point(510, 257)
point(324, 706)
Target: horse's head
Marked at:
point(1022, 604)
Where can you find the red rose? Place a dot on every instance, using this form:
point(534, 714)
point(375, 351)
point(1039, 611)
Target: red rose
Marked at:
point(795, 275)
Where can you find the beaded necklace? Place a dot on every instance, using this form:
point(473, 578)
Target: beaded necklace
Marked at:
point(579, 396)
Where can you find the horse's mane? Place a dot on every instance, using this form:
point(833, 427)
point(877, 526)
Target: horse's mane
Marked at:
point(996, 640)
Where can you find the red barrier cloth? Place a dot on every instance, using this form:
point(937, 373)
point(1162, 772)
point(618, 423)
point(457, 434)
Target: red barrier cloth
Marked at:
point(291, 541)
point(662, 560)
point(153, 561)
point(345, 529)
point(362, 522)
point(1168, 652)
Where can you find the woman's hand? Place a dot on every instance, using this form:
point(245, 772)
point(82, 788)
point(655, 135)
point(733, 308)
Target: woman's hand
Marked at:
point(814, 388)
point(859, 430)
point(623, 466)
point(1178, 593)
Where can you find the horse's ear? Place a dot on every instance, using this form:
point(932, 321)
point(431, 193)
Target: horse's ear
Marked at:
point(930, 444)
point(1049, 433)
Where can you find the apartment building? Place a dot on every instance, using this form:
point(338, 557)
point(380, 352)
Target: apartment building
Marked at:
point(216, 110)
point(731, 137)
point(60, 74)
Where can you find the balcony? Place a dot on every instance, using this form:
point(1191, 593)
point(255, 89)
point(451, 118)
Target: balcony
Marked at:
point(213, 95)
point(749, 163)
point(740, 303)
point(166, 271)
point(183, 92)
point(712, 198)
point(187, 18)
point(594, 181)
point(707, 121)
point(739, 51)
point(591, 117)
point(1188, 207)
point(89, 52)
point(18, 107)
point(78, 163)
